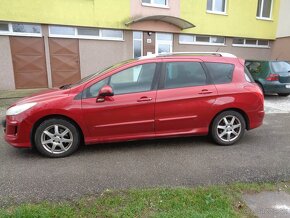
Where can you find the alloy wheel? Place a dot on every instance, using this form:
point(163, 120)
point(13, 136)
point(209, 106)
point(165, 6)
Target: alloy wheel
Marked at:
point(229, 128)
point(56, 139)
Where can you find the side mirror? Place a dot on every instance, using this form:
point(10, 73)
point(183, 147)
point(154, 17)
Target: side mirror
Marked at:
point(104, 92)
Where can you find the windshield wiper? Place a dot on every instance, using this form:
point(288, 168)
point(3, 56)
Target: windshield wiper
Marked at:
point(65, 86)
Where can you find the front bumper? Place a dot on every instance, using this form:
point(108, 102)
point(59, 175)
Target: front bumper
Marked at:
point(17, 132)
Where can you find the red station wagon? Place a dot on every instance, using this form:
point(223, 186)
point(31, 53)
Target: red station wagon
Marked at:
point(170, 95)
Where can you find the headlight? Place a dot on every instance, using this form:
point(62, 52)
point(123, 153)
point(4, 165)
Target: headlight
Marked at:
point(17, 109)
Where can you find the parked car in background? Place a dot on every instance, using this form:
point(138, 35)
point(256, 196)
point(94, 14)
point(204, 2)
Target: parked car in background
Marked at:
point(151, 97)
point(272, 76)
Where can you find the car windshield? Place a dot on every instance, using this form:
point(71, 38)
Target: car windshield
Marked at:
point(95, 75)
point(280, 67)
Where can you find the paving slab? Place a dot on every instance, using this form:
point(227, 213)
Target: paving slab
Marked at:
point(269, 204)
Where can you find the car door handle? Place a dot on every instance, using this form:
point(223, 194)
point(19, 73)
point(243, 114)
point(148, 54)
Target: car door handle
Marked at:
point(205, 92)
point(142, 99)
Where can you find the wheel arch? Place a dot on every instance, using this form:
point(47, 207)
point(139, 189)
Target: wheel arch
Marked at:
point(243, 113)
point(53, 116)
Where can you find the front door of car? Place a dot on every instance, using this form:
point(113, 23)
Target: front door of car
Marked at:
point(129, 113)
point(184, 99)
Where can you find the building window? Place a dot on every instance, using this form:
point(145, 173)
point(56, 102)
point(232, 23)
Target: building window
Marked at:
point(4, 27)
point(62, 30)
point(155, 3)
point(22, 29)
point(137, 44)
point(264, 9)
point(163, 43)
point(85, 33)
point(216, 6)
point(251, 43)
point(202, 40)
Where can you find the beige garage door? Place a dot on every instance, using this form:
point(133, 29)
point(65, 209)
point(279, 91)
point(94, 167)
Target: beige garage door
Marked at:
point(29, 64)
point(64, 59)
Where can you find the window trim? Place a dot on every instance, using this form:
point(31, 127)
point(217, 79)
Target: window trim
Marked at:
point(77, 36)
point(217, 12)
point(252, 46)
point(10, 31)
point(154, 5)
point(194, 42)
point(260, 17)
point(142, 45)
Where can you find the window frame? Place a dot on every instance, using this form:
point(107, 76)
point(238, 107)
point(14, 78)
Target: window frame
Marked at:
point(161, 84)
point(10, 31)
point(251, 45)
point(194, 42)
point(217, 12)
point(153, 4)
point(77, 36)
point(260, 17)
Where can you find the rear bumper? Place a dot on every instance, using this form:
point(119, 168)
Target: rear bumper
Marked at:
point(276, 87)
point(256, 119)
point(17, 132)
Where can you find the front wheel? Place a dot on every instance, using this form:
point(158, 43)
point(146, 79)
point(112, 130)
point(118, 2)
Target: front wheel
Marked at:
point(56, 138)
point(228, 128)
point(283, 94)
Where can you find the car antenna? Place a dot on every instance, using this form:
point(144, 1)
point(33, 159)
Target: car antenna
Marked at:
point(278, 56)
point(218, 49)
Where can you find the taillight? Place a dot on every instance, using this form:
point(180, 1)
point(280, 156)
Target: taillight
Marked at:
point(273, 77)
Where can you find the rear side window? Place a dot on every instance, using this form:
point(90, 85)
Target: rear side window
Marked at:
point(221, 73)
point(184, 74)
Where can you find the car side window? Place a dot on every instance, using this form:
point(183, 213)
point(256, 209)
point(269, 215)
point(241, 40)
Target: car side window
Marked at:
point(135, 79)
point(184, 74)
point(220, 73)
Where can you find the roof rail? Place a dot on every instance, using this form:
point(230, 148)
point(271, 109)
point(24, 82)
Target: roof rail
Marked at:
point(221, 54)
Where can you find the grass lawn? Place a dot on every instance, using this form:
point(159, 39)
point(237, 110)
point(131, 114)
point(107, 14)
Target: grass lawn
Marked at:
point(212, 201)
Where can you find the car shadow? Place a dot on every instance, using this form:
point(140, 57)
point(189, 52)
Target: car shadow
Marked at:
point(166, 143)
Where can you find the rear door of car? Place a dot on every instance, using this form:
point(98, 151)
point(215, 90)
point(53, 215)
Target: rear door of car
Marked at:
point(184, 98)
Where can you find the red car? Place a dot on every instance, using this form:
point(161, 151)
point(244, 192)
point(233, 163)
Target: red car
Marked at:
point(152, 97)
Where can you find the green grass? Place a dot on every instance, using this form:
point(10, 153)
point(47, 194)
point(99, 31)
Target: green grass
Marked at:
point(212, 201)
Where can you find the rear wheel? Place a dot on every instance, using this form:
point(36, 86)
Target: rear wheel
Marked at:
point(228, 128)
point(56, 138)
point(283, 94)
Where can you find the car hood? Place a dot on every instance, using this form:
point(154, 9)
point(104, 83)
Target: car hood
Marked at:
point(43, 96)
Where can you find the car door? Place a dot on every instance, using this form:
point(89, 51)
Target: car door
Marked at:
point(184, 99)
point(129, 114)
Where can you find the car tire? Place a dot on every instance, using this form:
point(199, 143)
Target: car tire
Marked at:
point(283, 94)
point(227, 128)
point(56, 138)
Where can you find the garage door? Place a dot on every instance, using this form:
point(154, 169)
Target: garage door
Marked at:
point(29, 64)
point(64, 60)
